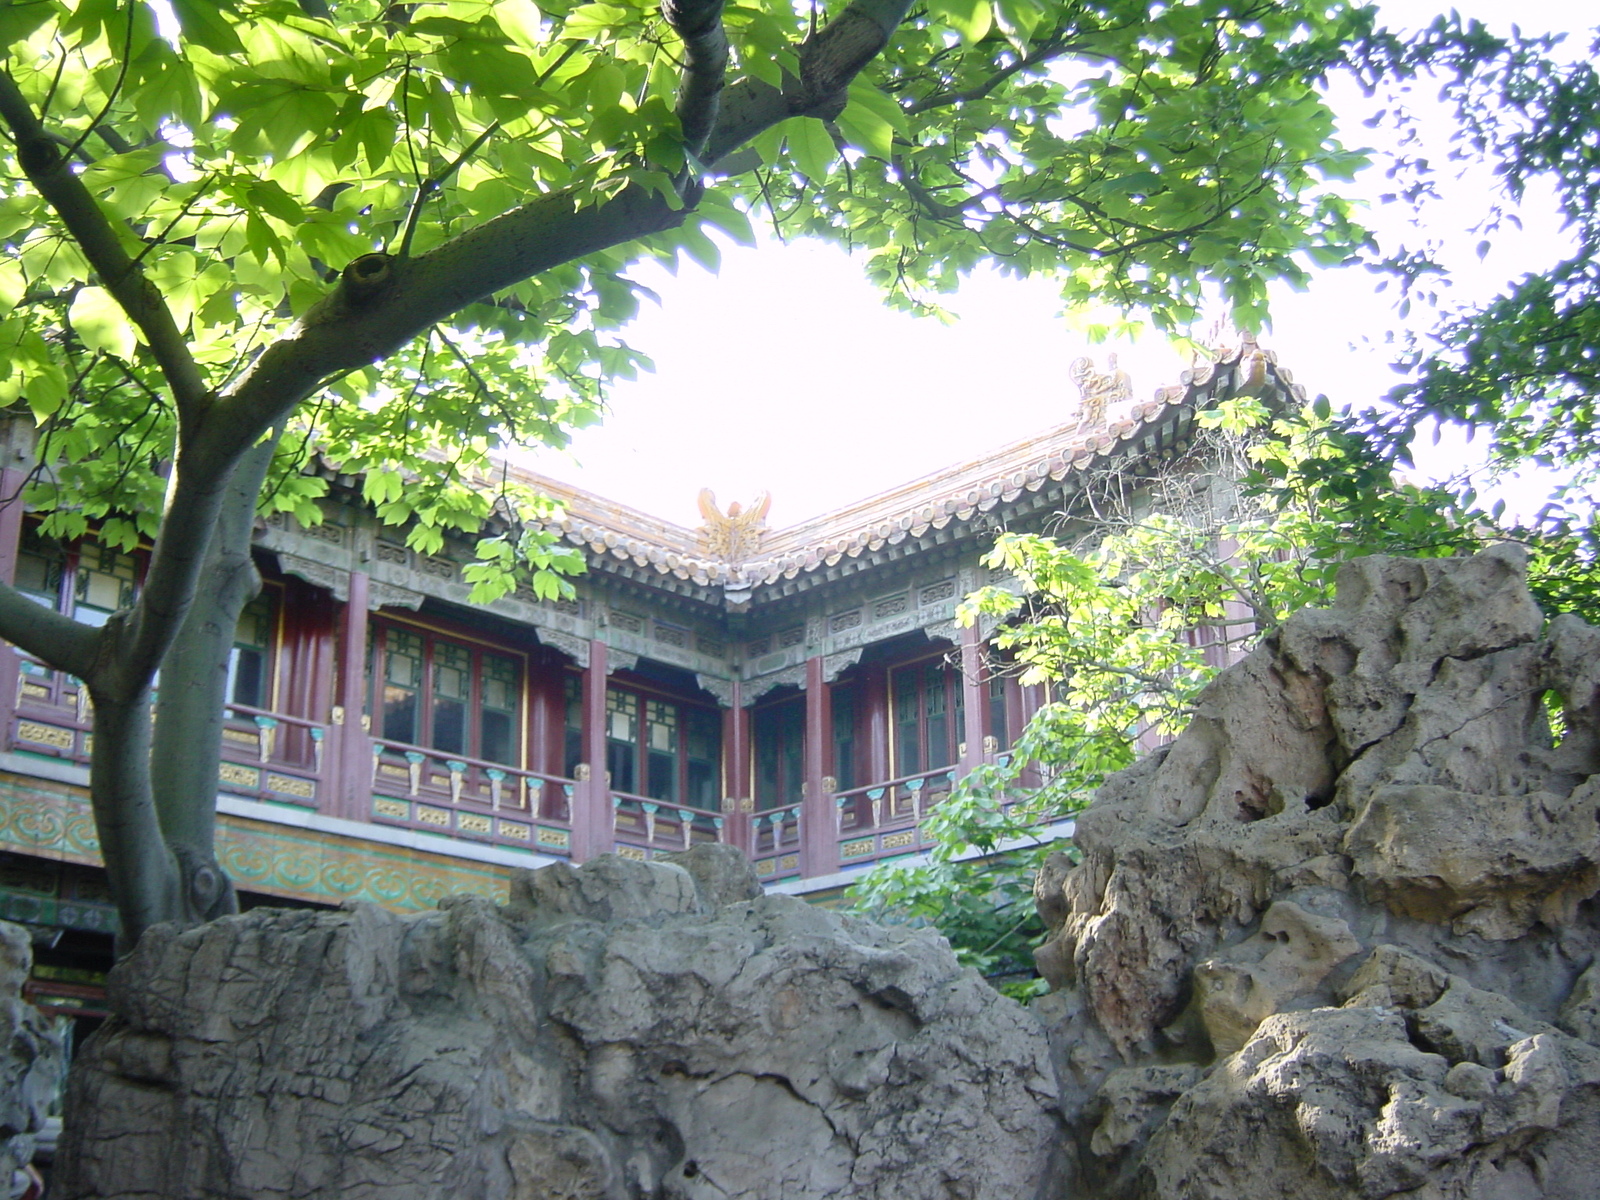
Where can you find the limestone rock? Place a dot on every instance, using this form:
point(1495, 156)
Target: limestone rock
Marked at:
point(1580, 1015)
point(1355, 901)
point(33, 1059)
point(1339, 1103)
point(1287, 958)
point(622, 1030)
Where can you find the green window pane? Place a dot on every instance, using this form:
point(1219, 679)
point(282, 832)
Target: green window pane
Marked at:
point(661, 726)
point(497, 723)
point(402, 678)
point(402, 659)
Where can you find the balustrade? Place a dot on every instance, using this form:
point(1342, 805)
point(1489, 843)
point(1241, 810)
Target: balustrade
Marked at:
point(452, 794)
point(272, 756)
point(265, 755)
point(884, 819)
point(775, 842)
point(641, 824)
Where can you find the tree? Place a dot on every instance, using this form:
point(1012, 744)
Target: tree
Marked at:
point(399, 233)
point(1109, 614)
point(1523, 369)
point(1147, 591)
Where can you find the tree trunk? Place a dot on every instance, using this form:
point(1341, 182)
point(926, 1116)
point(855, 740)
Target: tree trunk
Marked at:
point(141, 870)
point(155, 790)
point(187, 740)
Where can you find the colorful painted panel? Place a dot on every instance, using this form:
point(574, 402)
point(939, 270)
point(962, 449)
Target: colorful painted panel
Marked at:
point(55, 822)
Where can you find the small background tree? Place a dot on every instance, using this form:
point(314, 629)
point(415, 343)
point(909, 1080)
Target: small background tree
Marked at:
point(1126, 614)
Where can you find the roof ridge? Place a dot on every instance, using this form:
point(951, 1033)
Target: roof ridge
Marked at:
point(959, 491)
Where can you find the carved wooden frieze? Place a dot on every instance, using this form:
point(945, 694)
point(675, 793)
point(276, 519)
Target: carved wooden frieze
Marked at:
point(722, 689)
point(574, 647)
point(334, 579)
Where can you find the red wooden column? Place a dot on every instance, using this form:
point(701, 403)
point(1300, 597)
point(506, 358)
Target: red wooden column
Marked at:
point(974, 701)
point(875, 699)
point(737, 801)
point(12, 477)
point(819, 825)
point(593, 826)
point(350, 762)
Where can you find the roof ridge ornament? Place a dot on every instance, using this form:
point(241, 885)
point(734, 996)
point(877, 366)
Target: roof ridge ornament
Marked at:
point(1099, 390)
point(735, 535)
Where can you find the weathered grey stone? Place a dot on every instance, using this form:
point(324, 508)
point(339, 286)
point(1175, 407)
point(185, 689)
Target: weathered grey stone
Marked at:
point(722, 874)
point(1580, 1014)
point(31, 1058)
point(1339, 1103)
point(1289, 956)
point(611, 1035)
point(1356, 902)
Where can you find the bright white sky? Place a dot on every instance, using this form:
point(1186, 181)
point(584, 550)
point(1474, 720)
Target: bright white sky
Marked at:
point(785, 373)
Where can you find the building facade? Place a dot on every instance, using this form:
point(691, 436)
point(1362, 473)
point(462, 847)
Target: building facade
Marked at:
point(804, 693)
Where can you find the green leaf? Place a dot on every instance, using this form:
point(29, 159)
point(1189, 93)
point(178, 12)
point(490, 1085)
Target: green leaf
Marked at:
point(865, 94)
point(100, 322)
point(972, 19)
point(594, 21)
point(522, 22)
point(206, 25)
point(272, 199)
point(811, 147)
point(13, 284)
point(867, 130)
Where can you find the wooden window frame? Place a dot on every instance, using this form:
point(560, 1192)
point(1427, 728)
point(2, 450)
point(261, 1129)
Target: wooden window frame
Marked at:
point(646, 695)
point(430, 636)
point(955, 704)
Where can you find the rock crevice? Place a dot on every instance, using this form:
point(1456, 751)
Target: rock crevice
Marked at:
point(1340, 939)
point(620, 1030)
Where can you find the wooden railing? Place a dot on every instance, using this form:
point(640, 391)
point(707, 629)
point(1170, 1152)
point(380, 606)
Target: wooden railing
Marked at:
point(893, 803)
point(663, 825)
point(454, 794)
point(265, 755)
point(272, 756)
point(884, 819)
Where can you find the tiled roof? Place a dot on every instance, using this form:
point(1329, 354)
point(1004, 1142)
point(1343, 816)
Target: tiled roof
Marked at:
point(955, 494)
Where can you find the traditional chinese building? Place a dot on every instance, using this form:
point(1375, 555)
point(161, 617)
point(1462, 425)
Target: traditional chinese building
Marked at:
point(804, 693)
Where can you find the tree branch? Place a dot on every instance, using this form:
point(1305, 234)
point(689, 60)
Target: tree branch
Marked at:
point(828, 62)
point(1042, 53)
point(50, 171)
point(705, 44)
point(46, 634)
point(433, 183)
point(382, 302)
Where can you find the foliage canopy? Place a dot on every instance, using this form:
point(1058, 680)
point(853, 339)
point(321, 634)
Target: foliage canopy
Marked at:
point(400, 234)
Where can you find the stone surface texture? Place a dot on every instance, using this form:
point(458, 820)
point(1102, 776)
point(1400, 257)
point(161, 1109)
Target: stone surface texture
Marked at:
point(619, 1030)
point(1338, 940)
point(32, 1059)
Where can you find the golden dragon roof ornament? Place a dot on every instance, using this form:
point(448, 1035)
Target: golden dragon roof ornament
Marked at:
point(1098, 390)
point(735, 535)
